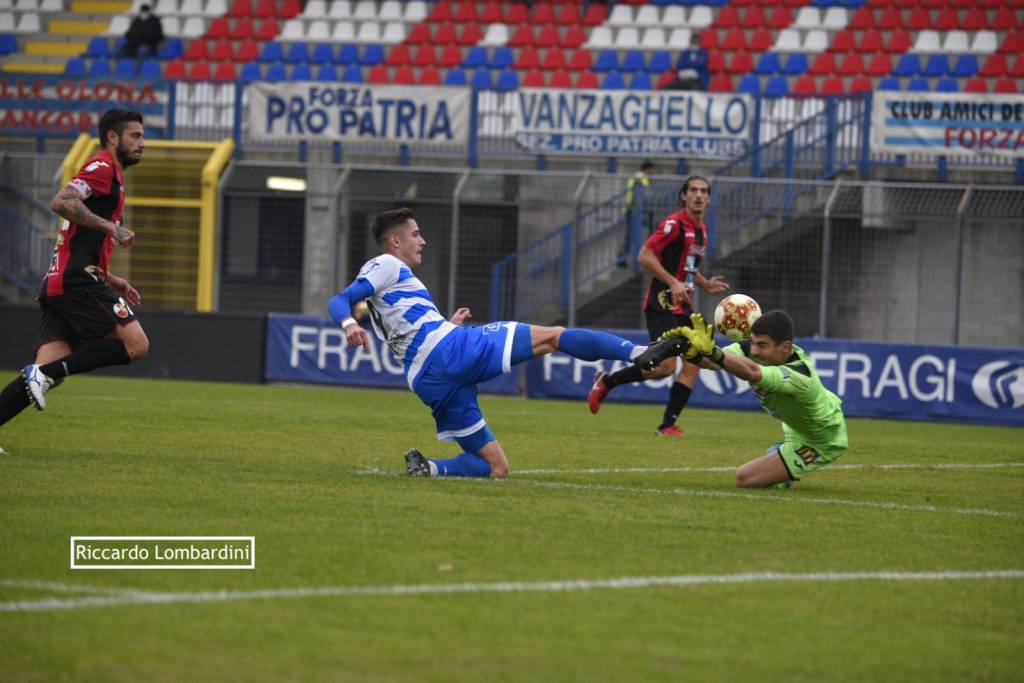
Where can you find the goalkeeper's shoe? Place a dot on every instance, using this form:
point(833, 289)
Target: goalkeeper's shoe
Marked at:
point(670, 344)
point(416, 465)
point(37, 384)
point(598, 393)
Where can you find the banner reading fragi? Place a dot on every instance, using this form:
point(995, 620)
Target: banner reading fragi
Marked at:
point(57, 105)
point(694, 124)
point(319, 111)
point(948, 123)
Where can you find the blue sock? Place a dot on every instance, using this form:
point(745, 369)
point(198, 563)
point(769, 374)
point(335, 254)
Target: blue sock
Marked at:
point(591, 345)
point(463, 465)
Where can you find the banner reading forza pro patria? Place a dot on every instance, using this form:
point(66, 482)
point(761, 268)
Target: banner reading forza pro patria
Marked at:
point(694, 124)
point(947, 123)
point(321, 111)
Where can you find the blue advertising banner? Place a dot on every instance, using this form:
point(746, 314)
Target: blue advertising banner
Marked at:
point(605, 122)
point(309, 349)
point(899, 381)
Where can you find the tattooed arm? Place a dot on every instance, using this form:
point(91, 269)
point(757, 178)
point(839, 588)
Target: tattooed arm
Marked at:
point(68, 205)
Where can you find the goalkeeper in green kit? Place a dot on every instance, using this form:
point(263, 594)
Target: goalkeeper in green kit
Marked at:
point(787, 386)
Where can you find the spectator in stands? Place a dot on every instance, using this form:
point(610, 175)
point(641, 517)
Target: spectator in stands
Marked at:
point(631, 203)
point(693, 67)
point(143, 37)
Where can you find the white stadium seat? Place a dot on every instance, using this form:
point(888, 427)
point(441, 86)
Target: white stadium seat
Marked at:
point(956, 42)
point(343, 32)
point(627, 37)
point(318, 30)
point(369, 32)
point(600, 37)
point(674, 16)
point(835, 19)
point(654, 39)
point(815, 41)
point(927, 41)
point(192, 28)
point(807, 18)
point(215, 8)
point(647, 15)
point(622, 15)
point(390, 10)
point(340, 9)
point(415, 11)
point(315, 9)
point(394, 32)
point(294, 30)
point(700, 17)
point(984, 43)
point(365, 10)
point(497, 34)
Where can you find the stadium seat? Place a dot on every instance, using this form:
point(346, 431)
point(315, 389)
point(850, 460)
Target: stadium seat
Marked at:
point(542, 14)
point(728, 17)
point(824, 64)
point(497, 34)
point(709, 39)
point(804, 85)
point(600, 37)
point(522, 36)
point(966, 66)
point(560, 79)
point(430, 75)
point(587, 80)
point(721, 83)
point(1005, 85)
point(200, 71)
point(325, 72)
point(880, 65)
point(860, 84)
point(956, 42)
point(808, 18)
point(995, 65)
point(196, 50)
point(834, 19)
point(660, 62)
point(275, 73)
point(98, 48)
point(891, 19)
point(501, 58)
point(149, 69)
point(889, 83)
point(749, 84)
point(653, 39)
point(352, 73)
point(99, 68)
point(553, 60)
point(172, 48)
point(451, 56)
point(218, 28)
point(927, 42)
point(788, 41)
point(863, 18)
point(368, 32)
point(296, 53)
point(378, 74)
point(534, 78)
point(482, 79)
point(976, 85)
point(621, 15)
point(347, 55)
point(403, 75)
point(832, 85)
point(225, 72)
point(796, 64)
point(222, 50)
point(581, 59)
point(852, 65)
point(613, 81)
point(984, 43)
point(440, 11)
point(124, 68)
point(365, 10)
point(780, 18)
point(633, 61)
point(372, 55)
point(528, 58)
point(937, 65)
point(917, 85)
point(1013, 43)
point(734, 39)
point(323, 53)
point(871, 41)
point(74, 67)
point(760, 40)
point(607, 60)
point(909, 65)
point(319, 30)
point(741, 63)
point(507, 80)
point(517, 13)
point(175, 70)
point(476, 57)
point(843, 41)
point(455, 77)
point(700, 17)
point(568, 15)
point(423, 56)
point(777, 86)
point(947, 85)
point(641, 81)
point(815, 41)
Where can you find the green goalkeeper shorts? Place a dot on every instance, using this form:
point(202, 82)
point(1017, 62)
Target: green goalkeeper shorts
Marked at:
point(802, 457)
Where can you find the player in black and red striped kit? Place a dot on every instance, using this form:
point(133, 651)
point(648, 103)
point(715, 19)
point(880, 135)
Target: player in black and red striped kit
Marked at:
point(672, 255)
point(87, 321)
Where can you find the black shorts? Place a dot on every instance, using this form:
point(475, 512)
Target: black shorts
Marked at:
point(659, 322)
point(82, 314)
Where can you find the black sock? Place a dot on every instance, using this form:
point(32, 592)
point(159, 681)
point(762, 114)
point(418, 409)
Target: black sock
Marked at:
point(676, 402)
point(13, 399)
point(627, 375)
point(95, 354)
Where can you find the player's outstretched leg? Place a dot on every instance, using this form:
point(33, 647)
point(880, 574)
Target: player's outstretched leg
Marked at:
point(13, 399)
point(661, 350)
point(36, 384)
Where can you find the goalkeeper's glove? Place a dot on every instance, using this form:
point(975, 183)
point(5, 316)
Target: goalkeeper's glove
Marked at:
point(702, 341)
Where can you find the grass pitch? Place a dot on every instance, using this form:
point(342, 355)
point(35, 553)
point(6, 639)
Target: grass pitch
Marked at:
point(592, 500)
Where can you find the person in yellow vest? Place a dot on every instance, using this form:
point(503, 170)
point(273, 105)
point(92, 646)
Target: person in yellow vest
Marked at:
point(629, 207)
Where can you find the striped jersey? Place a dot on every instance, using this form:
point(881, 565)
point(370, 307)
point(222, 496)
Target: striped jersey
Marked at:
point(404, 315)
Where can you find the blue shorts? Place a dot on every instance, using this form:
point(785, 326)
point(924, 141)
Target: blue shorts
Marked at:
point(467, 357)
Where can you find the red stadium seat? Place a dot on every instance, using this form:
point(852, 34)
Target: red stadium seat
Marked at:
point(534, 78)
point(595, 15)
point(424, 56)
point(709, 39)
point(753, 17)
point(721, 83)
point(995, 65)
point(418, 34)
point(560, 79)
point(264, 8)
point(242, 28)
point(741, 63)
point(465, 11)
point(470, 34)
point(1017, 70)
point(429, 76)
point(399, 55)
point(378, 74)
point(1005, 85)
point(1013, 44)
point(516, 13)
point(804, 85)
point(523, 35)
point(734, 40)
point(404, 76)
point(870, 41)
point(947, 20)
point(833, 85)
point(196, 50)
point(548, 36)
point(528, 58)
point(543, 13)
point(899, 42)
point(587, 79)
point(665, 78)
point(175, 69)
point(716, 62)
point(222, 51)
point(442, 11)
point(976, 19)
point(569, 15)
point(860, 84)
point(581, 59)
point(880, 65)
point(218, 28)
point(445, 34)
point(890, 20)
point(267, 30)
point(862, 19)
point(289, 9)
point(451, 56)
point(781, 18)
point(574, 36)
point(824, 64)
point(491, 13)
point(852, 65)
point(761, 40)
point(247, 51)
point(842, 41)
point(1005, 19)
point(553, 59)
point(240, 8)
point(976, 85)
point(200, 71)
point(920, 19)
point(225, 71)
point(728, 17)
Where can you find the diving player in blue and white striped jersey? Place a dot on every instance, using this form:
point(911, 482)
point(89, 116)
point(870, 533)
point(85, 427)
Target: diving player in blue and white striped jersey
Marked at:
point(443, 361)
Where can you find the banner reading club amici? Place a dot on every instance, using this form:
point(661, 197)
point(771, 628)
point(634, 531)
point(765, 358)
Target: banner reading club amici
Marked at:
point(325, 111)
point(676, 122)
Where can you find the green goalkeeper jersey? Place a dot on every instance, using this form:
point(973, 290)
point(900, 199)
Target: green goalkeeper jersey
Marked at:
point(794, 394)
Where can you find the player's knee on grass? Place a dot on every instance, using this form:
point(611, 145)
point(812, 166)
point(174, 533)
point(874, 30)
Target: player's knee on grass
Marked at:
point(495, 457)
point(767, 470)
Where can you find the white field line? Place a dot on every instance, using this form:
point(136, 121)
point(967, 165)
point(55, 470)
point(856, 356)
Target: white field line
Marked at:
point(781, 498)
point(733, 468)
point(55, 587)
point(500, 587)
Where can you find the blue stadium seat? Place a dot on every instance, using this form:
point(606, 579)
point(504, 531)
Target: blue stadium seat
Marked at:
point(275, 73)
point(475, 58)
point(372, 55)
point(482, 79)
point(918, 85)
point(150, 69)
point(98, 48)
point(633, 61)
point(507, 80)
point(301, 73)
point(8, 43)
point(796, 64)
point(750, 84)
point(347, 55)
point(296, 53)
point(606, 60)
point(323, 53)
point(502, 58)
point(947, 85)
point(661, 61)
point(937, 65)
point(326, 72)
point(251, 71)
point(172, 48)
point(455, 76)
point(768, 64)
point(777, 86)
point(352, 73)
point(99, 67)
point(909, 65)
point(125, 68)
point(613, 81)
point(272, 52)
point(74, 67)
point(889, 83)
point(965, 67)
point(641, 81)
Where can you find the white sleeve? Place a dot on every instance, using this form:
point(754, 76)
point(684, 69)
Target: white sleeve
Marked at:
point(84, 188)
point(381, 272)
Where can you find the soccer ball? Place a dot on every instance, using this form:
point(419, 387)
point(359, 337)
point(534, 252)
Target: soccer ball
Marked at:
point(735, 315)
